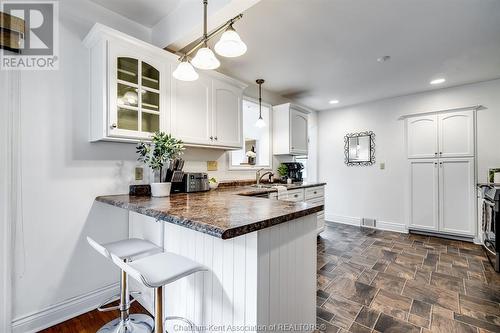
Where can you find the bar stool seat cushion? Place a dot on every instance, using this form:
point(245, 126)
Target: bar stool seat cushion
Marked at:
point(160, 269)
point(126, 248)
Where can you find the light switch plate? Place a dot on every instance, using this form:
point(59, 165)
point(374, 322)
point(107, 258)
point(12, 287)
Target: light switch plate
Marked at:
point(139, 173)
point(211, 165)
point(382, 166)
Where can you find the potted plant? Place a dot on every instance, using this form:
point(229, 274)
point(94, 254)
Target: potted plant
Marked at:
point(158, 154)
point(251, 155)
point(282, 171)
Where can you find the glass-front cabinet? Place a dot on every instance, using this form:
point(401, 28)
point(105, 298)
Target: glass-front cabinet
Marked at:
point(133, 94)
point(135, 101)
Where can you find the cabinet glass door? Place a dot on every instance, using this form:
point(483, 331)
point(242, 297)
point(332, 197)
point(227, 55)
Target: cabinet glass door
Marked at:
point(138, 96)
point(150, 98)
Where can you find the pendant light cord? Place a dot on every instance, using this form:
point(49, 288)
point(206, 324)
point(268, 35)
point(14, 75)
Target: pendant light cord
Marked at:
point(260, 100)
point(205, 19)
point(260, 82)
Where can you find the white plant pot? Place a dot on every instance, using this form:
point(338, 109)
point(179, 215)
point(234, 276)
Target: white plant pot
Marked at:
point(160, 189)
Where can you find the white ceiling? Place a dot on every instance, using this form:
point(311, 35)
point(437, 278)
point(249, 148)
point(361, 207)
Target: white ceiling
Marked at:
point(145, 12)
point(313, 51)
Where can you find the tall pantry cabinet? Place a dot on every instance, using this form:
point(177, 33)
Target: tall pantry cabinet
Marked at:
point(441, 160)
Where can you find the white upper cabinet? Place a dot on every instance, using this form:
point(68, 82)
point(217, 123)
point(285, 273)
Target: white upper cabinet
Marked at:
point(192, 111)
point(133, 94)
point(290, 130)
point(456, 134)
point(227, 114)
point(298, 136)
point(130, 86)
point(449, 134)
point(207, 112)
point(422, 136)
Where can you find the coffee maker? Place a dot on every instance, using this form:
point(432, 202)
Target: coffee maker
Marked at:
point(294, 171)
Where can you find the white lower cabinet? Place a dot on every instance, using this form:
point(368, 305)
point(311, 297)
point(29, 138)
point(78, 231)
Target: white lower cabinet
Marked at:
point(457, 196)
point(442, 195)
point(424, 194)
point(313, 195)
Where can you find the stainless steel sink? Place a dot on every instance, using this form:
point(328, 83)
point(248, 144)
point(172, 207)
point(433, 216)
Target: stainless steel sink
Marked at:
point(269, 185)
point(261, 186)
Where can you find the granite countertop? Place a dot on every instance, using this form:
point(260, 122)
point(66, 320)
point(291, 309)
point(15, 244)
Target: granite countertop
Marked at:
point(224, 213)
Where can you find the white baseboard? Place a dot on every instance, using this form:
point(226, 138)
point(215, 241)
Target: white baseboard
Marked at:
point(343, 219)
point(65, 310)
point(391, 226)
point(356, 221)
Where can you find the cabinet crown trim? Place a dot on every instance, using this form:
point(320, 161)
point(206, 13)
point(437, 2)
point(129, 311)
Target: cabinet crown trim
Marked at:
point(295, 107)
point(465, 108)
point(102, 32)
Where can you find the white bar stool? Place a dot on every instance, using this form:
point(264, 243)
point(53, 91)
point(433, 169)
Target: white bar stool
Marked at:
point(125, 251)
point(157, 271)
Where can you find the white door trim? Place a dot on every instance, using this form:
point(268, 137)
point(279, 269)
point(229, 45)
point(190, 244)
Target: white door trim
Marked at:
point(9, 163)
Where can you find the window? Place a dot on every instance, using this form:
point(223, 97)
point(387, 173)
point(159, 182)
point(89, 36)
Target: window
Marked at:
point(256, 152)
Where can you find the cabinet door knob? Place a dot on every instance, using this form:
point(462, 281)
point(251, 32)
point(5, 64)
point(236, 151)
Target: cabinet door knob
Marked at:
point(113, 125)
point(211, 138)
point(215, 138)
point(440, 153)
point(435, 154)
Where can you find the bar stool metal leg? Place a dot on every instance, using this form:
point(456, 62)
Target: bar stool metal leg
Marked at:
point(159, 310)
point(127, 323)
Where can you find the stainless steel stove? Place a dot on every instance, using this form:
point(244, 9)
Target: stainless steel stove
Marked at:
point(491, 224)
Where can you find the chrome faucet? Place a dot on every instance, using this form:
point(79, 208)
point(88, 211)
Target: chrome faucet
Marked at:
point(258, 176)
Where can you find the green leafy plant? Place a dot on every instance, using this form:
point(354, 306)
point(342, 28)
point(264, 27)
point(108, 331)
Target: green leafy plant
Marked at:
point(282, 170)
point(162, 149)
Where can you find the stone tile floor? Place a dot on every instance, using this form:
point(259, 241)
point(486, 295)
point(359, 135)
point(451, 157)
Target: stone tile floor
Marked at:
point(380, 281)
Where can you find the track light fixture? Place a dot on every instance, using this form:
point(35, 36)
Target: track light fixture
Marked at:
point(229, 45)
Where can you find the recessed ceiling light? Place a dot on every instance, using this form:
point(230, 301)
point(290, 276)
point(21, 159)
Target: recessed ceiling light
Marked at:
point(333, 101)
point(438, 81)
point(384, 58)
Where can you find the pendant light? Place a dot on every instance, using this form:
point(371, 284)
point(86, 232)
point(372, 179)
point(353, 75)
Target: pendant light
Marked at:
point(230, 44)
point(205, 57)
point(260, 122)
point(185, 72)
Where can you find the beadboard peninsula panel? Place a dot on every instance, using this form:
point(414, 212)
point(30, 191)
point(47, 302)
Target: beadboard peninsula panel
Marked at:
point(261, 278)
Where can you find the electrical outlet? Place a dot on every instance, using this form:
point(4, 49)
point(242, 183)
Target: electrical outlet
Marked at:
point(382, 166)
point(211, 165)
point(139, 173)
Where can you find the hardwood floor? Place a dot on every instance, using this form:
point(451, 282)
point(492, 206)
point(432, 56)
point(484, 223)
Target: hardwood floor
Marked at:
point(379, 281)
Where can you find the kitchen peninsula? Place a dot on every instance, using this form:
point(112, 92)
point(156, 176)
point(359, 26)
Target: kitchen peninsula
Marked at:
point(261, 256)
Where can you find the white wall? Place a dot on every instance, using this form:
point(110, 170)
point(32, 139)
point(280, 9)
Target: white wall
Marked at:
point(381, 194)
point(62, 173)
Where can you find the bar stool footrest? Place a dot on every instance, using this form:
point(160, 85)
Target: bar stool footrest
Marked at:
point(103, 308)
point(192, 326)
